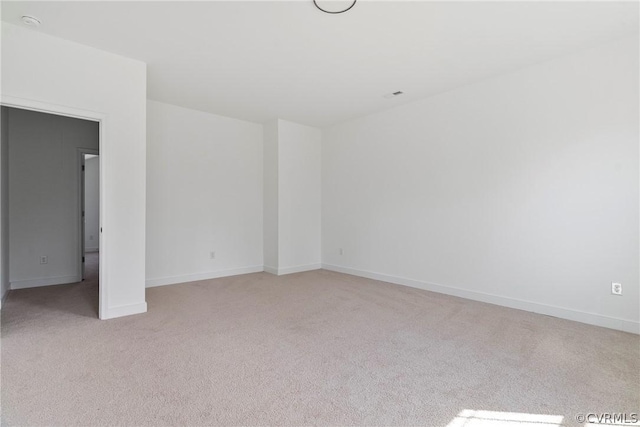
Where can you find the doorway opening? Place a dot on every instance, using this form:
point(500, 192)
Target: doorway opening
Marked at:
point(51, 221)
point(90, 205)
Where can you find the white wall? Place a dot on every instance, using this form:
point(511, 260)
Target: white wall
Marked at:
point(44, 185)
point(51, 71)
point(92, 204)
point(521, 190)
point(270, 196)
point(292, 156)
point(299, 196)
point(204, 194)
point(4, 205)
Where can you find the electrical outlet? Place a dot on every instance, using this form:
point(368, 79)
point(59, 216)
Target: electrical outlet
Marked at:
point(341, 251)
point(616, 288)
point(212, 254)
point(44, 259)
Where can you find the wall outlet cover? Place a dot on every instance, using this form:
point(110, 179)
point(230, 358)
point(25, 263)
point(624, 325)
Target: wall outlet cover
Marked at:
point(616, 288)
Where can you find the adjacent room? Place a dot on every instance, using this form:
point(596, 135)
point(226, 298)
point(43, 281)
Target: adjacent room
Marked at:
point(329, 212)
point(52, 175)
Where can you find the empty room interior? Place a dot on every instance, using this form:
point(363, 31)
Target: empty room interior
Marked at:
point(329, 212)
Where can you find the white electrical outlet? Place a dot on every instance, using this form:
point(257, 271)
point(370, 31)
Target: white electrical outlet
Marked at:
point(44, 259)
point(212, 254)
point(341, 251)
point(616, 288)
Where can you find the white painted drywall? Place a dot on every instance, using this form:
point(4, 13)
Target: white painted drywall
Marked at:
point(4, 205)
point(204, 194)
point(44, 195)
point(92, 204)
point(53, 71)
point(292, 157)
point(521, 190)
point(299, 196)
point(270, 195)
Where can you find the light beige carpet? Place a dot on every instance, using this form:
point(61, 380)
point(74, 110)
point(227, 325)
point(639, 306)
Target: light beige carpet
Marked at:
point(316, 348)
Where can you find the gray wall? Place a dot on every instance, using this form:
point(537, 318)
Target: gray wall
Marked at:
point(44, 196)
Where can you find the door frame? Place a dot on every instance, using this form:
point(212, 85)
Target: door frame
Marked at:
point(81, 202)
point(101, 119)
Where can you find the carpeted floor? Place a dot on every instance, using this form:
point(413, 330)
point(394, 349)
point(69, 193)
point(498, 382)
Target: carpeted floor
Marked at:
point(317, 348)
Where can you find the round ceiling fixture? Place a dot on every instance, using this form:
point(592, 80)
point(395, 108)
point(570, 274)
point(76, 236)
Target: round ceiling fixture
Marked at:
point(335, 12)
point(31, 21)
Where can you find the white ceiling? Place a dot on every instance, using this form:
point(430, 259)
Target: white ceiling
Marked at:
point(261, 60)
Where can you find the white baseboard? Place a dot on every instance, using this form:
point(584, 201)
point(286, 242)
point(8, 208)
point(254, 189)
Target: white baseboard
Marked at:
point(172, 280)
point(124, 310)
point(299, 269)
point(47, 281)
point(272, 270)
point(290, 270)
point(561, 312)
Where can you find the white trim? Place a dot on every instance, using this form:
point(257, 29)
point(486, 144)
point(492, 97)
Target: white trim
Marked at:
point(549, 310)
point(46, 281)
point(101, 118)
point(291, 270)
point(124, 310)
point(172, 280)
point(271, 270)
point(298, 269)
point(44, 107)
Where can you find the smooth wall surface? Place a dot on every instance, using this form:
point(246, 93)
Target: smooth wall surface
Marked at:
point(270, 195)
point(49, 70)
point(44, 195)
point(204, 194)
point(521, 190)
point(92, 204)
point(4, 205)
point(299, 159)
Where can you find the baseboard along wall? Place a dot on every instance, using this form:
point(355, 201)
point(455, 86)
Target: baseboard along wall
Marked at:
point(47, 281)
point(549, 310)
